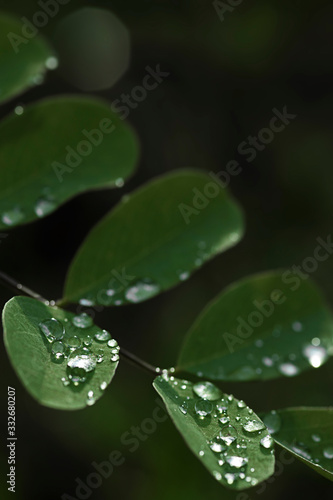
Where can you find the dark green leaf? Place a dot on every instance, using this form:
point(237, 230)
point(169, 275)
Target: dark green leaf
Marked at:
point(307, 433)
point(57, 149)
point(261, 327)
point(23, 60)
point(147, 245)
point(223, 433)
point(46, 375)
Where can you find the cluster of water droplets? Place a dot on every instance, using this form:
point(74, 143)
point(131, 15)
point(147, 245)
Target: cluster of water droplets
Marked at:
point(265, 354)
point(230, 425)
point(78, 344)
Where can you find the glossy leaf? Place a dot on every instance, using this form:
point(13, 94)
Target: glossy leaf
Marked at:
point(223, 433)
point(69, 382)
point(307, 433)
point(262, 327)
point(24, 57)
point(147, 244)
point(57, 149)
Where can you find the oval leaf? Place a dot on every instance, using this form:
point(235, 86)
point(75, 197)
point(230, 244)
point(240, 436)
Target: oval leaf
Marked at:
point(147, 244)
point(23, 61)
point(307, 433)
point(57, 149)
point(66, 382)
point(223, 433)
point(262, 327)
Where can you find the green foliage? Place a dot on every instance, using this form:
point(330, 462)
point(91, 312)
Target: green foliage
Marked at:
point(144, 246)
point(223, 433)
point(45, 374)
point(307, 433)
point(250, 331)
point(50, 153)
point(23, 64)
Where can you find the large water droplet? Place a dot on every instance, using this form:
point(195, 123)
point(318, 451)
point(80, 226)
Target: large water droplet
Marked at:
point(58, 350)
point(82, 321)
point(80, 363)
point(273, 422)
point(267, 442)
point(207, 390)
point(316, 355)
point(237, 462)
point(142, 290)
point(12, 217)
point(52, 329)
point(228, 434)
point(74, 342)
point(217, 446)
point(203, 407)
point(253, 426)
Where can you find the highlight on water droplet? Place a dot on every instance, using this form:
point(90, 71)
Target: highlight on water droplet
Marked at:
point(228, 434)
point(267, 442)
point(253, 426)
point(207, 390)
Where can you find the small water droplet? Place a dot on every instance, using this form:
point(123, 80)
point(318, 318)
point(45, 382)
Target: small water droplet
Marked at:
point(237, 462)
point(44, 206)
point(201, 453)
point(297, 326)
point(91, 398)
point(103, 386)
point(230, 478)
point(328, 452)
point(12, 217)
point(83, 320)
point(19, 110)
point(224, 420)
point(316, 438)
point(267, 442)
point(253, 426)
point(301, 450)
point(58, 350)
point(267, 361)
point(114, 358)
point(207, 390)
point(183, 275)
point(203, 407)
point(65, 381)
point(52, 329)
point(102, 336)
point(184, 408)
point(316, 355)
point(217, 475)
point(241, 404)
point(119, 182)
point(316, 341)
point(112, 343)
point(87, 302)
point(51, 63)
point(87, 340)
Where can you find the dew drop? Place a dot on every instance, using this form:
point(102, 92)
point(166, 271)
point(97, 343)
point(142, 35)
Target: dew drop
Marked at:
point(253, 426)
point(288, 369)
point(74, 342)
point(82, 321)
point(267, 442)
point(112, 343)
point(103, 386)
point(184, 408)
point(58, 350)
point(51, 63)
point(267, 361)
point(217, 475)
point(12, 217)
point(228, 434)
point(91, 398)
point(297, 326)
point(87, 302)
point(316, 438)
point(52, 329)
point(316, 355)
point(201, 453)
point(80, 363)
point(217, 446)
point(328, 452)
point(224, 420)
point(114, 358)
point(203, 407)
point(207, 390)
point(230, 478)
point(44, 206)
point(102, 336)
point(237, 462)
point(87, 340)
point(241, 404)
point(19, 110)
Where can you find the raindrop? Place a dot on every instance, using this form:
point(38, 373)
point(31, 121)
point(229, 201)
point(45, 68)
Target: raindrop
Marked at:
point(316, 355)
point(90, 398)
point(12, 217)
point(58, 350)
point(65, 381)
point(230, 478)
point(142, 290)
point(87, 340)
point(203, 407)
point(82, 321)
point(183, 408)
point(207, 390)
point(273, 422)
point(217, 475)
point(267, 442)
point(52, 329)
point(103, 386)
point(183, 275)
point(74, 342)
point(241, 404)
point(288, 369)
point(228, 434)
point(316, 438)
point(267, 361)
point(112, 343)
point(19, 110)
point(80, 363)
point(328, 452)
point(237, 462)
point(259, 343)
point(201, 453)
point(102, 336)
point(44, 206)
point(253, 426)
point(216, 446)
point(114, 358)
point(224, 420)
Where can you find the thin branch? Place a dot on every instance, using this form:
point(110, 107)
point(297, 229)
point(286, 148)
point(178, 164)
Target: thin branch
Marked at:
point(139, 362)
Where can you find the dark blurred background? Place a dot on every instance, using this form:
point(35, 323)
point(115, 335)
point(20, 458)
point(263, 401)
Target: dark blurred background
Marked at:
point(225, 79)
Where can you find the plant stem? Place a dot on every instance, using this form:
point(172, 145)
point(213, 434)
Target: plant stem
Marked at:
point(18, 287)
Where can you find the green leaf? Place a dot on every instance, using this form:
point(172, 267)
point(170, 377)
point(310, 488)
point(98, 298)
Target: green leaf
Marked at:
point(54, 380)
point(307, 433)
point(23, 61)
point(223, 433)
point(147, 245)
point(57, 149)
point(261, 327)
